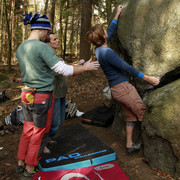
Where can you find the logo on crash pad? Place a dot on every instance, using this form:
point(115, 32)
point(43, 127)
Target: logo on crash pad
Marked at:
point(73, 156)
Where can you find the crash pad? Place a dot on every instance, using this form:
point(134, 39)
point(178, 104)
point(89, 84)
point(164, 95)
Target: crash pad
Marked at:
point(76, 148)
point(106, 171)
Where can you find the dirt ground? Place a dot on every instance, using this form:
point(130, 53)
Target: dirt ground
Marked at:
point(86, 91)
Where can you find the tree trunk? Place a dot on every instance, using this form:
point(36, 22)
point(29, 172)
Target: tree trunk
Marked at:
point(77, 38)
point(108, 9)
point(36, 9)
point(9, 37)
point(12, 28)
point(52, 14)
point(86, 16)
point(61, 28)
point(4, 38)
point(72, 33)
point(1, 31)
point(65, 31)
point(46, 6)
point(24, 28)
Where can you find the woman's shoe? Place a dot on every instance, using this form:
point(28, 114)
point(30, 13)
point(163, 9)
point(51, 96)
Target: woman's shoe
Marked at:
point(134, 148)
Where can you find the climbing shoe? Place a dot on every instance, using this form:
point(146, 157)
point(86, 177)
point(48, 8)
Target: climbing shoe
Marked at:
point(134, 148)
point(20, 169)
point(30, 174)
point(51, 142)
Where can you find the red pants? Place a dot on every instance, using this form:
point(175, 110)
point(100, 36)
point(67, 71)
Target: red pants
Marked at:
point(130, 101)
point(37, 122)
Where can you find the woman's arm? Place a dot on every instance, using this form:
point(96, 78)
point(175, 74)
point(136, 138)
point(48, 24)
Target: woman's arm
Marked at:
point(118, 12)
point(112, 58)
point(112, 27)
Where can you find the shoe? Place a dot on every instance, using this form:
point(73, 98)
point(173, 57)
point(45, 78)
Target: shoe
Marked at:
point(20, 169)
point(15, 130)
point(51, 142)
point(135, 147)
point(8, 131)
point(31, 174)
point(1, 127)
point(46, 151)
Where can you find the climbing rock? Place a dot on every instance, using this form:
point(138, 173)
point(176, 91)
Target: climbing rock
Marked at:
point(148, 32)
point(161, 128)
point(147, 37)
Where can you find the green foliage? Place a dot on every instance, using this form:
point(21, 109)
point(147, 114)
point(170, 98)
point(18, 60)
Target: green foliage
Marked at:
point(18, 36)
point(10, 102)
point(5, 84)
point(2, 77)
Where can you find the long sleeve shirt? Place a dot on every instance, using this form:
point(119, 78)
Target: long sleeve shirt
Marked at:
point(115, 69)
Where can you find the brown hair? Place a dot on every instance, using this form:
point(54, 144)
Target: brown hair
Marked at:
point(96, 35)
point(47, 40)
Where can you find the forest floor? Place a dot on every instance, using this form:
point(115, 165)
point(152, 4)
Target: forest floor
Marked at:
point(86, 91)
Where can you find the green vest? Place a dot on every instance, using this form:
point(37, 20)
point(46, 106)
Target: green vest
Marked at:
point(60, 86)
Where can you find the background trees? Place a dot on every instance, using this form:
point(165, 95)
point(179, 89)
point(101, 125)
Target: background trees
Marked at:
point(70, 19)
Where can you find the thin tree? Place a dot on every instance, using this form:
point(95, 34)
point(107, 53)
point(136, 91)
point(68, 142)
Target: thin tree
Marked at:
point(86, 16)
point(61, 27)
point(36, 7)
point(108, 9)
point(52, 14)
point(12, 26)
point(77, 37)
point(72, 31)
point(46, 7)
point(9, 37)
point(1, 31)
point(66, 26)
point(25, 28)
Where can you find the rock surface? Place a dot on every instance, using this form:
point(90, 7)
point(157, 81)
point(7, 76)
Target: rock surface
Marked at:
point(149, 34)
point(148, 38)
point(161, 128)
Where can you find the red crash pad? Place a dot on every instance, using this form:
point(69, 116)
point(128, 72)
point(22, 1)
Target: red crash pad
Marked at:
point(107, 171)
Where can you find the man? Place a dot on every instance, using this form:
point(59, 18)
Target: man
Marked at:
point(37, 62)
point(60, 91)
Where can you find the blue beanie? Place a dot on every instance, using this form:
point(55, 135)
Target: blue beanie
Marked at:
point(37, 21)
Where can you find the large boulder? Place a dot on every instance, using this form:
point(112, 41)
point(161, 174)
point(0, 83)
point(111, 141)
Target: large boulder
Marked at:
point(161, 128)
point(148, 38)
point(149, 34)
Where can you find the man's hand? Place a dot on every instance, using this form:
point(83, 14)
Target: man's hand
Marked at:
point(81, 62)
point(87, 66)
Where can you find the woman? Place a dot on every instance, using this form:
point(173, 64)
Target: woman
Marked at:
point(116, 71)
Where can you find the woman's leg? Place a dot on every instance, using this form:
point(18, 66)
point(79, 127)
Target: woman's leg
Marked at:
point(133, 107)
point(129, 134)
point(127, 95)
